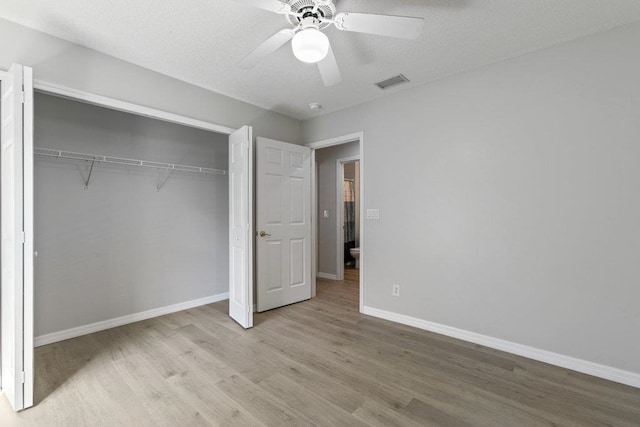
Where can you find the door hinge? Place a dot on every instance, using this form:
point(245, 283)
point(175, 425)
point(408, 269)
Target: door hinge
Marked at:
point(23, 377)
point(23, 96)
point(23, 237)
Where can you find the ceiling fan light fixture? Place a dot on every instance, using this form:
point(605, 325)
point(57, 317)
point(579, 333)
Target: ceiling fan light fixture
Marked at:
point(310, 45)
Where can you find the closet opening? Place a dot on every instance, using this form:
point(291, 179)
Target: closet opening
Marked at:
point(135, 213)
point(131, 217)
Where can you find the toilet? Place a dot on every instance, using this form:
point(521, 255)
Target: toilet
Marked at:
point(355, 252)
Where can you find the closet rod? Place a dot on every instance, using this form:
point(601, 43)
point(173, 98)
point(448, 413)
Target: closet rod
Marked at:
point(122, 161)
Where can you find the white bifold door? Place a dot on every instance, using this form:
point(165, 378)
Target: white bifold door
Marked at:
point(17, 236)
point(240, 227)
point(283, 217)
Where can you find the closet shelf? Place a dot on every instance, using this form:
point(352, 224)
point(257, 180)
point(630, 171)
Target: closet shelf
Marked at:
point(169, 167)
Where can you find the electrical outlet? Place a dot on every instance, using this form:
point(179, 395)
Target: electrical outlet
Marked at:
point(395, 290)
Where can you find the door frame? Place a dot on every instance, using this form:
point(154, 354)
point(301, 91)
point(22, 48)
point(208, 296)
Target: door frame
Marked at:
point(340, 213)
point(316, 145)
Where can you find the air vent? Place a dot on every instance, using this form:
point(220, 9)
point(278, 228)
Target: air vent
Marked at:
point(393, 81)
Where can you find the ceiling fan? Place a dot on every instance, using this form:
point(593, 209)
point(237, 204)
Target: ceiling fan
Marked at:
point(311, 45)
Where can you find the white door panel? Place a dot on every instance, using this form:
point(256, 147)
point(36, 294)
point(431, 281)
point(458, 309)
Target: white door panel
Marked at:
point(240, 227)
point(284, 215)
point(17, 236)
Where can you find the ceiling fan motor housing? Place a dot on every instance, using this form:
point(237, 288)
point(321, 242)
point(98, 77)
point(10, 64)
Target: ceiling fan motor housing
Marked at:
point(326, 9)
point(309, 21)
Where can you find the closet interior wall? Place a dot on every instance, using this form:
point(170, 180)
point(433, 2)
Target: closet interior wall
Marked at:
point(120, 246)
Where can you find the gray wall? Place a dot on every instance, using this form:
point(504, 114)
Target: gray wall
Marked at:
point(57, 61)
point(121, 247)
point(509, 199)
point(326, 175)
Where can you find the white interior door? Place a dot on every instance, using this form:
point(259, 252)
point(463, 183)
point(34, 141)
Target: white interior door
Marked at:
point(283, 219)
point(17, 237)
point(240, 227)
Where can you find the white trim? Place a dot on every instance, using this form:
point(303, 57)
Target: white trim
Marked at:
point(358, 136)
point(314, 224)
point(116, 104)
point(336, 141)
point(124, 320)
point(568, 362)
point(327, 276)
point(340, 213)
point(362, 225)
point(28, 214)
point(251, 229)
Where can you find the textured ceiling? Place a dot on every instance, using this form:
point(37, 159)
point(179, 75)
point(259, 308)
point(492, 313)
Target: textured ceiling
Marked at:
point(202, 41)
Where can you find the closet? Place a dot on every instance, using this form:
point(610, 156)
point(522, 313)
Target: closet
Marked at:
point(131, 215)
point(113, 212)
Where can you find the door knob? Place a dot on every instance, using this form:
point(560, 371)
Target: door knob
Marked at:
point(264, 234)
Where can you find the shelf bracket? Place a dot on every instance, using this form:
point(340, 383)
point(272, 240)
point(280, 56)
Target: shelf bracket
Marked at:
point(86, 182)
point(163, 176)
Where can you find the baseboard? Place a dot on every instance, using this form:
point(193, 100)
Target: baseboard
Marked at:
point(124, 320)
point(327, 276)
point(568, 362)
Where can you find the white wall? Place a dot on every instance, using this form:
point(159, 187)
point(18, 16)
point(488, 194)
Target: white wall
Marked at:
point(121, 247)
point(326, 176)
point(509, 198)
point(57, 61)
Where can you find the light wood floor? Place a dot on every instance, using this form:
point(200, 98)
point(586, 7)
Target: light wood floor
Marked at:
point(351, 275)
point(318, 362)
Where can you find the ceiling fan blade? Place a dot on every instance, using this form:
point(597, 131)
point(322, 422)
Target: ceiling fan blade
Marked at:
point(329, 69)
point(404, 27)
point(267, 47)
point(270, 5)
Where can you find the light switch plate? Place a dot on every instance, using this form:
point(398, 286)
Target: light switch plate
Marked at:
point(373, 213)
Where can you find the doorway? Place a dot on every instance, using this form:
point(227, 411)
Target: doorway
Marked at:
point(336, 237)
